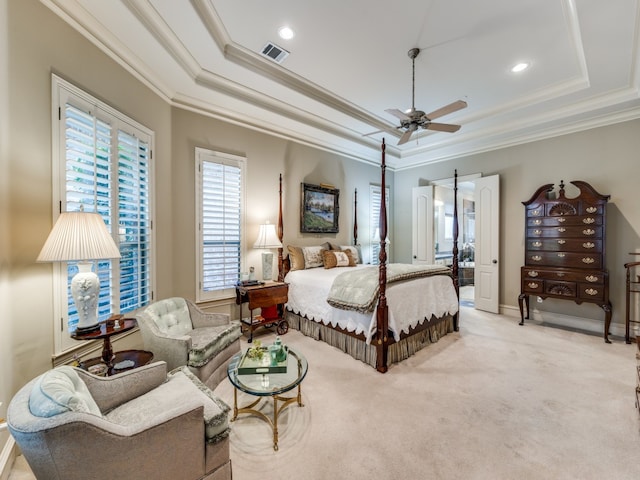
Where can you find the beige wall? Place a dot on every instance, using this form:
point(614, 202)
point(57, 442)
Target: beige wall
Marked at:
point(607, 158)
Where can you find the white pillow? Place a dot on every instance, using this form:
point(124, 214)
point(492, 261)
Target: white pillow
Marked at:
point(61, 390)
point(312, 257)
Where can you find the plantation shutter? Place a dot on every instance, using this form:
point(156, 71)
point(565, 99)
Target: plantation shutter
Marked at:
point(221, 206)
point(134, 223)
point(88, 187)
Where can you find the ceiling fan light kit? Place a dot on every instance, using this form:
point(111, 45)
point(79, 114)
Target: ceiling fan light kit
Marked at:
point(414, 119)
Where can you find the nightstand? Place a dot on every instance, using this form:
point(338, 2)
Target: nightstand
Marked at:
point(266, 295)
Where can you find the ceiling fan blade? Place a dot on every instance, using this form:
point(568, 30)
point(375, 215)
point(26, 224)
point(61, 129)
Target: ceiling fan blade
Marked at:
point(452, 107)
point(407, 135)
point(442, 127)
point(398, 114)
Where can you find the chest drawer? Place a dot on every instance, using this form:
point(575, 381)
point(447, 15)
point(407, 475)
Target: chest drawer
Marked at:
point(592, 277)
point(565, 259)
point(560, 221)
point(586, 232)
point(565, 245)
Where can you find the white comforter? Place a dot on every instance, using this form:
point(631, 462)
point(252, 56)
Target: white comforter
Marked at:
point(410, 302)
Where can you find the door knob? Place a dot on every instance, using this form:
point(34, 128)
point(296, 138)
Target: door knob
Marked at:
point(494, 261)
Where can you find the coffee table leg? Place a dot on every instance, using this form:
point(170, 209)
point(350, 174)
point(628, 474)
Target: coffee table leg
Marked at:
point(275, 423)
point(235, 404)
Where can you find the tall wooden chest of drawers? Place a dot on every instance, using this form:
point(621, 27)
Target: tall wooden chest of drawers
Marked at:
point(565, 249)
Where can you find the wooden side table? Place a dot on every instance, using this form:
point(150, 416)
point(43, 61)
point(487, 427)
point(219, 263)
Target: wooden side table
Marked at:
point(268, 294)
point(107, 330)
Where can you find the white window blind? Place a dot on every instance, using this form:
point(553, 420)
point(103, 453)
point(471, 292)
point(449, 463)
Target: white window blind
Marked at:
point(375, 196)
point(220, 200)
point(104, 160)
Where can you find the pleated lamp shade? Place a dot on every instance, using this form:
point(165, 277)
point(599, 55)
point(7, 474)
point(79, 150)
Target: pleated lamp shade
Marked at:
point(78, 236)
point(267, 237)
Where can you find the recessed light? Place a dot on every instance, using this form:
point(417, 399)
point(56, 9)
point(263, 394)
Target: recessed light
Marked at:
point(286, 33)
point(519, 67)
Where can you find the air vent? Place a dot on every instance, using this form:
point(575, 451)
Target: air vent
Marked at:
point(274, 52)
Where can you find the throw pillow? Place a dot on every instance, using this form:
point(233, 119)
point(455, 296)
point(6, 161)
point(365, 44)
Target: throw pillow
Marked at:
point(312, 256)
point(336, 258)
point(296, 258)
point(355, 252)
point(61, 390)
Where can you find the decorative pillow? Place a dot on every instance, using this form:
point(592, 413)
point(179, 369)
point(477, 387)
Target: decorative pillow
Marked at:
point(355, 252)
point(61, 390)
point(312, 256)
point(296, 258)
point(337, 258)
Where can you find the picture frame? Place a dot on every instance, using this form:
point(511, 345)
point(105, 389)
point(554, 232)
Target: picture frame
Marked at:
point(319, 208)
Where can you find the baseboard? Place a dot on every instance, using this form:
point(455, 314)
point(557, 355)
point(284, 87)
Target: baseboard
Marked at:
point(587, 325)
point(7, 457)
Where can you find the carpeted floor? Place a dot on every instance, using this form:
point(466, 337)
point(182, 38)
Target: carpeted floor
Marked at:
point(493, 401)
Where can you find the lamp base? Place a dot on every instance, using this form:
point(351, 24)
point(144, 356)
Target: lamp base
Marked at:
point(85, 290)
point(85, 330)
point(267, 266)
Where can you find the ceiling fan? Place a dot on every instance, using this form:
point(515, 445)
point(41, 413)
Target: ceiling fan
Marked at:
point(414, 119)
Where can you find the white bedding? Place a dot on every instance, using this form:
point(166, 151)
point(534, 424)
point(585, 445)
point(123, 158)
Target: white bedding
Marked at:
point(409, 301)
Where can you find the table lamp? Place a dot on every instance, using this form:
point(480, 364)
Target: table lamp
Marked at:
point(82, 237)
point(267, 238)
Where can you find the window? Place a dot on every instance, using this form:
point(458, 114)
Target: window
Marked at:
point(375, 196)
point(220, 209)
point(103, 160)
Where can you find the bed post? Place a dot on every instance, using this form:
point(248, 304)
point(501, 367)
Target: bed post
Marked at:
point(382, 311)
point(355, 217)
point(280, 234)
point(455, 247)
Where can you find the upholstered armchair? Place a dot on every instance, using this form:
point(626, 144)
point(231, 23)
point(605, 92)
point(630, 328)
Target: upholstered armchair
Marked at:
point(181, 334)
point(142, 423)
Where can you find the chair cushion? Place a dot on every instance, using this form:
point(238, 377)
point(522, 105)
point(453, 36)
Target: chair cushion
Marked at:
point(171, 315)
point(180, 384)
point(207, 342)
point(61, 390)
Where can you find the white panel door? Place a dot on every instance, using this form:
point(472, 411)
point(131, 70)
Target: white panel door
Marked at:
point(487, 269)
point(423, 248)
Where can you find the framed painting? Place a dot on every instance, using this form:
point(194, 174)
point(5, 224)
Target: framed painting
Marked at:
point(319, 209)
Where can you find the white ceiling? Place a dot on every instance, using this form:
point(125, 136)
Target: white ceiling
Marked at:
point(348, 63)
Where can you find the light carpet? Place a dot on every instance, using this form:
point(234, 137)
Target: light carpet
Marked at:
point(493, 401)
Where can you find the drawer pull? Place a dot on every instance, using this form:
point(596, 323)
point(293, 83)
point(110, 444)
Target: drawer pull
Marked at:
point(537, 221)
point(560, 274)
point(537, 232)
point(588, 231)
point(537, 244)
point(532, 273)
point(562, 242)
point(532, 285)
point(562, 229)
point(561, 255)
point(535, 213)
point(591, 278)
point(588, 220)
point(591, 291)
point(562, 220)
point(588, 260)
point(592, 209)
point(588, 245)
point(536, 258)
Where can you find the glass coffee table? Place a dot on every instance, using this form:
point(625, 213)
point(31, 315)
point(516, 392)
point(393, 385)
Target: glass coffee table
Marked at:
point(268, 385)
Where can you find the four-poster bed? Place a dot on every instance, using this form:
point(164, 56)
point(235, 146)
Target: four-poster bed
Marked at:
point(378, 314)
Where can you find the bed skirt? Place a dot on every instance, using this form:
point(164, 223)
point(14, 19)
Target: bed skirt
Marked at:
point(358, 348)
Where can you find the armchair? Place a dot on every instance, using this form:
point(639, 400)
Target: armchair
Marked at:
point(142, 423)
point(181, 334)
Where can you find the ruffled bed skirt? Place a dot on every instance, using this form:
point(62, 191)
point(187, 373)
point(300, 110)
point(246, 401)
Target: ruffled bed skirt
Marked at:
point(360, 350)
